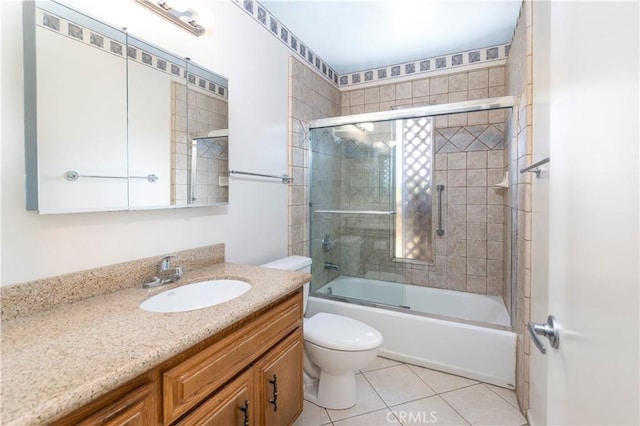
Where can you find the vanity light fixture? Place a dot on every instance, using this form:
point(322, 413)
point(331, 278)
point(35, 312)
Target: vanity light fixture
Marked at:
point(184, 19)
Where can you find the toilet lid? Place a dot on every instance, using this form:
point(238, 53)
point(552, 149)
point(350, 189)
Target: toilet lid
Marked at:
point(340, 333)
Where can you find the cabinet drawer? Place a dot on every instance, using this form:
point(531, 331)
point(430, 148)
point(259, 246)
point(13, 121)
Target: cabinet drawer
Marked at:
point(137, 408)
point(193, 380)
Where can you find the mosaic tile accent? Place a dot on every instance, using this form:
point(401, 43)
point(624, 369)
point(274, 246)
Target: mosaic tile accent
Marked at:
point(147, 59)
point(262, 15)
point(132, 52)
point(96, 40)
point(459, 59)
point(100, 41)
point(454, 60)
point(75, 31)
point(51, 21)
point(115, 47)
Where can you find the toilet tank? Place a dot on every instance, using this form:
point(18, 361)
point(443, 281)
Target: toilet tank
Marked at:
point(294, 263)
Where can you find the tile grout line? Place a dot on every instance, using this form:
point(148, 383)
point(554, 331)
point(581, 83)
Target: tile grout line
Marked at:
point(507, 401)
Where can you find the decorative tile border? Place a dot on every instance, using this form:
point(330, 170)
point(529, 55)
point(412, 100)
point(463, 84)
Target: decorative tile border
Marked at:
point(50, 21)
point(422, 66)
point(407, 69)
point(293, 42)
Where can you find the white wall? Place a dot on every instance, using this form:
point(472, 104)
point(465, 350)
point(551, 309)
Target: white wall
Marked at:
point(253, 226)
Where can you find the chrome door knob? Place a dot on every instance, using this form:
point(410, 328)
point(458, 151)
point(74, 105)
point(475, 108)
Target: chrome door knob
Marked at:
point(548, 329)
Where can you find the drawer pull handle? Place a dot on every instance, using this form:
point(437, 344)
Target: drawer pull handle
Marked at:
point(274, 401)
point(245, 410)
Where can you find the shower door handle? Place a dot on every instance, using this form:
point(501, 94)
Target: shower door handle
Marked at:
point(440, 231)
point(548, 329)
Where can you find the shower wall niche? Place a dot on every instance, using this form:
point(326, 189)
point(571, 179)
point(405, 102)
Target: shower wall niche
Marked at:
point(356, 183)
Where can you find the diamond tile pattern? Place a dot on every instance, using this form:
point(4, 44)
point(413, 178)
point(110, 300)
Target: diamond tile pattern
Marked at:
point(470, 138)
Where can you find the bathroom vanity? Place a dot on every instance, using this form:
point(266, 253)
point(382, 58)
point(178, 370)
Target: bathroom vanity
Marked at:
point(103, 360)
point(250, 373)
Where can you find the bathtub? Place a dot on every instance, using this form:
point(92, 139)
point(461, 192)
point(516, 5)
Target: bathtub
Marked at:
point(459, 333)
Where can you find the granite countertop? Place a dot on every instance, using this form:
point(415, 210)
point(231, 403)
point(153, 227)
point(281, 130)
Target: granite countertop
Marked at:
point(56, 361)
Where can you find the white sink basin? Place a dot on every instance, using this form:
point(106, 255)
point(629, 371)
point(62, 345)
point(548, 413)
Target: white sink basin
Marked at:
point(195, 296)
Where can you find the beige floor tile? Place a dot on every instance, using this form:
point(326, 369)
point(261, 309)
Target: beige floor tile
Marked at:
point(507, 394)
point(398, 384)
point(432, 410)
point(379, 363)
point(376, 418)
point(481, 406)
point(312, 415)
point(368, 400)
point(441, 382)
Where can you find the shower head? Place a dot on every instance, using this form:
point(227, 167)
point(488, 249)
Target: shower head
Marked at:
point(337, 139)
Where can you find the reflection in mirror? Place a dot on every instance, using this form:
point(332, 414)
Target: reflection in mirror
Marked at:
point(207, 129)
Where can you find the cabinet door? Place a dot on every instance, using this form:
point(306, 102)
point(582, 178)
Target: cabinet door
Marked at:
point(278, 378)
point(137, 408)
point(232, 406)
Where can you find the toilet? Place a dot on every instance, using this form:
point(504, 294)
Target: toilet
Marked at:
point(335, 348)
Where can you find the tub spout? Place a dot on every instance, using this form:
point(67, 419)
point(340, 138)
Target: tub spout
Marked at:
point(331, 266)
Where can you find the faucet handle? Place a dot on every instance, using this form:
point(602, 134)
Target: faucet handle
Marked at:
point(165, 263)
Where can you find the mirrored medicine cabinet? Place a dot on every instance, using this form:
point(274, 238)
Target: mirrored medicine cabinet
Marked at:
point(115, 123)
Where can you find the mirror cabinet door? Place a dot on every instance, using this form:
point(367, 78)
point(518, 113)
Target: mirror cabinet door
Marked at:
point(80, 124)
point(157, 111)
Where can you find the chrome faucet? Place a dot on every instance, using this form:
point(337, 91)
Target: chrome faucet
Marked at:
point(166, 274)
point(331, 266)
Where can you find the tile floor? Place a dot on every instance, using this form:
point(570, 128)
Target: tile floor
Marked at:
point(394, 393)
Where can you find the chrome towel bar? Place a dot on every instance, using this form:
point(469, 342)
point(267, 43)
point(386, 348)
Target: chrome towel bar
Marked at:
point(285, 178)
point(373, 212)
point(72, 175)
point(535, 167)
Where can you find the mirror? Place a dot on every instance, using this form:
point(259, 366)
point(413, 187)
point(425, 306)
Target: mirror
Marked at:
point(116, 123)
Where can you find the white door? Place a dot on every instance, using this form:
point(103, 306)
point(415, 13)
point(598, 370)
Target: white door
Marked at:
point(593, 216)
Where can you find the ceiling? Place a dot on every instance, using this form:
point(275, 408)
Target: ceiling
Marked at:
point(355, 35)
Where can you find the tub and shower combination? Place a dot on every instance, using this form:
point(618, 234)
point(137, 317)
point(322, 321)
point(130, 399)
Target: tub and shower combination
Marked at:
point(377, 219)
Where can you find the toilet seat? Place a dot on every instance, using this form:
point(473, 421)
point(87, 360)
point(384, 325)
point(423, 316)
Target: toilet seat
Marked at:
point(340, 333)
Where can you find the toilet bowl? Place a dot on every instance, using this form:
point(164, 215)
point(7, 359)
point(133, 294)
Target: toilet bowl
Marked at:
point(335, 348)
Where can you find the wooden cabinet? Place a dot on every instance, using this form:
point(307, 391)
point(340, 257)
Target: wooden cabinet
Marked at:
point(137, 408)
point(248, 374)
point(232, 406)
point(278, 378)
point(268, 393)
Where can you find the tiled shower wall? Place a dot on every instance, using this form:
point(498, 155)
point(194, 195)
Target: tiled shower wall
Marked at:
point(469, 162)
point(518, 202)
point(310, 97)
